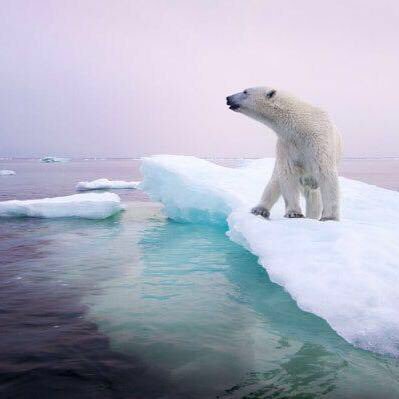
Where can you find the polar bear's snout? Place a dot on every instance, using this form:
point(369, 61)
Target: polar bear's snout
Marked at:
point(234, 101)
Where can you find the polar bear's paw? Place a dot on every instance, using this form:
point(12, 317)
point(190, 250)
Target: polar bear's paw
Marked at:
point(261, 211)
point(293, 214)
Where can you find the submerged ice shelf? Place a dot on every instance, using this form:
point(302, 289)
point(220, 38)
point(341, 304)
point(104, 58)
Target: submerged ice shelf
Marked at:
point(345, 272)
point(87, 206)
point(105, 184)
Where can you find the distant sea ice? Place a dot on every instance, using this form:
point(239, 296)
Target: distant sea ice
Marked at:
point(105, 184)
point(53, 159)
point(87, 206)
point(6, 172)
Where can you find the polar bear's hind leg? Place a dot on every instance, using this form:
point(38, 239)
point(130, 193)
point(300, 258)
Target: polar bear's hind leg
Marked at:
point(330, 196)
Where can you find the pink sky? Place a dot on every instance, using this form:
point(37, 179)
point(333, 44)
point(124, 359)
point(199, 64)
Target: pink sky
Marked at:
point(132, 78)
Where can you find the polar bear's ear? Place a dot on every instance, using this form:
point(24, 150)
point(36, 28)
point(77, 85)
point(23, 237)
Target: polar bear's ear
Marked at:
point(271, 93)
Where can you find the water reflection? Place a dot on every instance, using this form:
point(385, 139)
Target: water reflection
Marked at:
point(48, 348)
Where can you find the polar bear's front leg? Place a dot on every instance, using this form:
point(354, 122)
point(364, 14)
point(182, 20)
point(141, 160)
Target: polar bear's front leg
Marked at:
point(313, 203)
point(270, 195)
point(330, 196)
point(290, 189)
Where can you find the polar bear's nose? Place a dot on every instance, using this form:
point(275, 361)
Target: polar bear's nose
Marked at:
point(230, 100)
point(232, 103)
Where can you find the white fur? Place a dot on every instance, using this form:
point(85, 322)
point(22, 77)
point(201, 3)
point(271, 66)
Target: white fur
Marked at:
point(307, 152)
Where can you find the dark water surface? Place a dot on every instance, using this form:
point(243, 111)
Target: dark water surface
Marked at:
point(137, 306)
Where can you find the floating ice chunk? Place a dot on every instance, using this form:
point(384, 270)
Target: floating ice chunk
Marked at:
point(345, 272)
point(6, 172)
point(53, 159)
point(87, 206)
point(105, 184)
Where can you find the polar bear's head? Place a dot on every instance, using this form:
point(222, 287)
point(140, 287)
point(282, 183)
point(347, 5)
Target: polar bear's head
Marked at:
point(265, 104)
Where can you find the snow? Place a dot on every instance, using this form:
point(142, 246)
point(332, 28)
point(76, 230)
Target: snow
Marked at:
point(88, 206)
point(53, 159)
point(6, 172)
point(105, 184)
point(346, 272)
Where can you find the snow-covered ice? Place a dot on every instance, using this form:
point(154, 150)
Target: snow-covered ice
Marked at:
point(105, 184)
point(87, 206)
point(346, 272)
point(6, 172)
point(53, 159)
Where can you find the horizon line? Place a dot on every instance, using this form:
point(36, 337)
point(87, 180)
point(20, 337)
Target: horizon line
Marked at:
point(99, 158)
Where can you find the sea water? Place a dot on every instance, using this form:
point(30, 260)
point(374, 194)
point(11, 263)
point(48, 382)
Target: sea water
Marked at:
point(140, 306)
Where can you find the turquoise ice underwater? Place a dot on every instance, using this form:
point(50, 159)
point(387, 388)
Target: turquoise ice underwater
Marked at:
point(200, 307)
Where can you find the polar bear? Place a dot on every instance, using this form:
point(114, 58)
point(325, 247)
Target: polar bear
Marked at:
point(307, 152)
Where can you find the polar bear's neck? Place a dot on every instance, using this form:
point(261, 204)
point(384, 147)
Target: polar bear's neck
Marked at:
point(285, 128)
point(293, 123)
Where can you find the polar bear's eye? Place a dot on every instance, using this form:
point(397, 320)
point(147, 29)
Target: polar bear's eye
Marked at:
point(245, 91)
point(271, 93)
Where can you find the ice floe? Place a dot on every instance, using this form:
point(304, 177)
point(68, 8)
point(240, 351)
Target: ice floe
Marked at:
point(6, 172)
point(105, 184)
point(87, 206)
point(53, 159)
point(346, 272)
